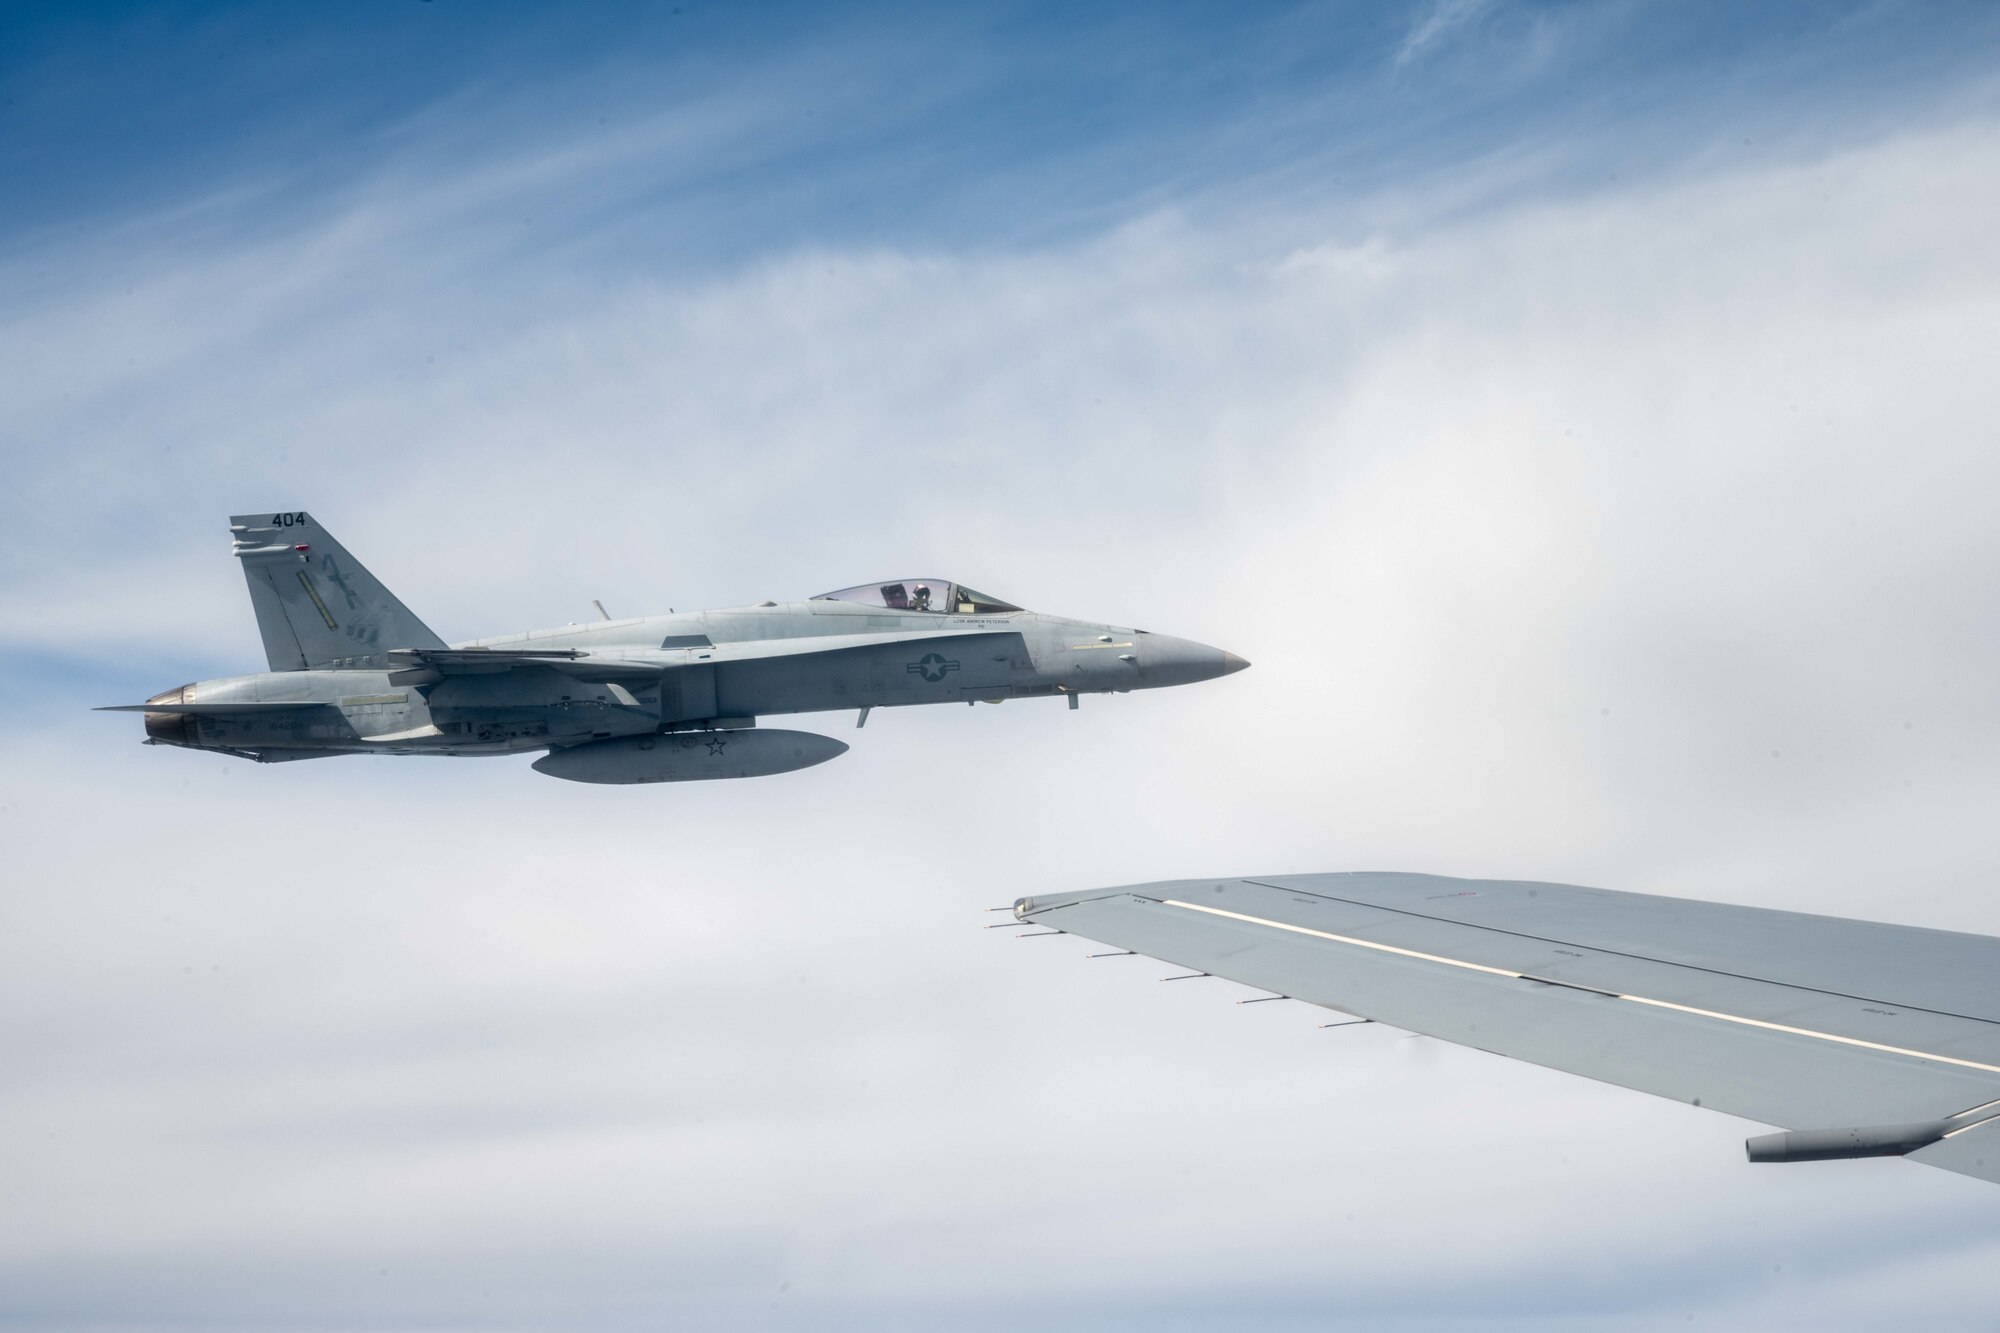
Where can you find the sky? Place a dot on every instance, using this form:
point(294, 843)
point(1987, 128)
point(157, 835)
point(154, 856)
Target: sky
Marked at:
point(1579, 413)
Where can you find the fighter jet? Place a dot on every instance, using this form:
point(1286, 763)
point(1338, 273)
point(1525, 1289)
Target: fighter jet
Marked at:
point(1859, 1039)
point(656, 699)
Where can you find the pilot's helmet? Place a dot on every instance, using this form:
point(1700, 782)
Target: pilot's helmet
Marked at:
point(921, 594)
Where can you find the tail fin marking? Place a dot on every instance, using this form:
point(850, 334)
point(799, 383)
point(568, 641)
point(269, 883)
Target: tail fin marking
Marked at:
point(317, 606)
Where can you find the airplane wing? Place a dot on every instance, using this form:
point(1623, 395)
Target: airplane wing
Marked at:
point(570, 661)
point(1861, 1039)
point(472, 658)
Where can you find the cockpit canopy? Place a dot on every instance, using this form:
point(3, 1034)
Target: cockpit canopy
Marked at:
point(937, 596)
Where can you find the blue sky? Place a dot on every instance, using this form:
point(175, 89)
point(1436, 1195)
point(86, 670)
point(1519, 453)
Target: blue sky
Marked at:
point(1581, 414)
point(870, 124)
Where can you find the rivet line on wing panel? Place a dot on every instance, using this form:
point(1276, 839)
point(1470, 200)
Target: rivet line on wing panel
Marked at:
point(1529, 976)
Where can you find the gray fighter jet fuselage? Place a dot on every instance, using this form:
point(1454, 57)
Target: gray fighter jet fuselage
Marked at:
point(653, 699)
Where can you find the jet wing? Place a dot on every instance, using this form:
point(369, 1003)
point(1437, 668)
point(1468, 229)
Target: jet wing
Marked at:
point(570, 661)
point(1864, 1039)
point(592, 665)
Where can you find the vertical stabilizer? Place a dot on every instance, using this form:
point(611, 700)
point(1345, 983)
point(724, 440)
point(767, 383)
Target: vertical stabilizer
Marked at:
point(317, 606)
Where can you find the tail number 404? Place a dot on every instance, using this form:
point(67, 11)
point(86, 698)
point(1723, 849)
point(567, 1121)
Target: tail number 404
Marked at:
point(288, 520)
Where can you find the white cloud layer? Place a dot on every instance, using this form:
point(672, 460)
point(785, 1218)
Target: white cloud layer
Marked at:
point(1639, 539)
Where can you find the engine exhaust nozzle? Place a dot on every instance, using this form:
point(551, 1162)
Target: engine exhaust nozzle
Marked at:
point(172, 728)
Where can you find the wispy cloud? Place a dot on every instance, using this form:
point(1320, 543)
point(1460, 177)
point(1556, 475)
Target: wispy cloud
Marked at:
point(1437, 23)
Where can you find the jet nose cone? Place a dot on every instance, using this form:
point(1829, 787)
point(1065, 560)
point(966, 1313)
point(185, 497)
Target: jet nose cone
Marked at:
point(1183, 661)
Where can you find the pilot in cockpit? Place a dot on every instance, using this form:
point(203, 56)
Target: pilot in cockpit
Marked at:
point(920, 597)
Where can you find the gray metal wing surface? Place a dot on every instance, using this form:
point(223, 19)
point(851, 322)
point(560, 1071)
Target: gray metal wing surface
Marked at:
point(1868, 1039)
